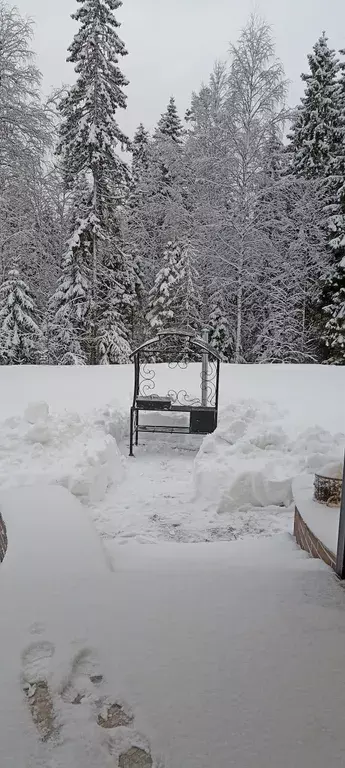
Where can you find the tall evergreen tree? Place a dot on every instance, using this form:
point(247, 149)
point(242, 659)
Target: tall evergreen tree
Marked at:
point(162, 298)
point(21, 341)
point(220, 336)
point(70, 305)
point(334, 309)
point(186, 292)
point(140, 152)
point(90, 137)
point(317, 149)
point(315, 130)
point(170, 124)
point(333, 295)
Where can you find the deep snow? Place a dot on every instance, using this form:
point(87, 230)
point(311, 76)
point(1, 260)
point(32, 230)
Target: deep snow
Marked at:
point(69, 426)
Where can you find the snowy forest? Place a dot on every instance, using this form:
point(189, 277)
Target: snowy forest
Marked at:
point(230, 217)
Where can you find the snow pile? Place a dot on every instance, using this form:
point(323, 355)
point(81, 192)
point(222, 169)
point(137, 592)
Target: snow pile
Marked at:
point(79, 453)
point(266, 436)
point(251, 459)
point(332, 470)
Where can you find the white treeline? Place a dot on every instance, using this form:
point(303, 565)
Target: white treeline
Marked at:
point(217, 222)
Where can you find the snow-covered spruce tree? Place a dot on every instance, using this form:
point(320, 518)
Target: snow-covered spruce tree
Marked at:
point(315, 130)
point(170, 124)
point(140, 152)
point(89, 138)
point(334, 310)
point(186, 294)
point(21, 341)
point(167, 148)
point(318, 152)
point(219, 327)
point(333, 294)
point(69, 326)
point(158, 211)
point(160, 314)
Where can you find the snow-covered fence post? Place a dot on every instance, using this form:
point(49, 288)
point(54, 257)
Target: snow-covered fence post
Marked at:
point(340, 564)
point(204, 371)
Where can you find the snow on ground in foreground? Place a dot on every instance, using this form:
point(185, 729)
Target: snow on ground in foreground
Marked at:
point(219, 656)
point(275, 422)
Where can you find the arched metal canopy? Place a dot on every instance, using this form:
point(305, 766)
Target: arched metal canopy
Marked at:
point(189, 334)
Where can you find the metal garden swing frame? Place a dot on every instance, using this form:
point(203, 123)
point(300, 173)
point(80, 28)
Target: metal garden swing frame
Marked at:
point(202, 409)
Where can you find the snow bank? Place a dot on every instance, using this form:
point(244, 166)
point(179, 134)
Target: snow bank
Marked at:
point(251, 459)
point(79, 453)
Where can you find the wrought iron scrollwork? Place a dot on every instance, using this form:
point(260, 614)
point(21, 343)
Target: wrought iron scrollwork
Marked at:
point(211, 383)
point(183, 364)
point(147, 376)
point(182, 398)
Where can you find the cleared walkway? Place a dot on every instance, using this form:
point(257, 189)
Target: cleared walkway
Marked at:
point(218, 655)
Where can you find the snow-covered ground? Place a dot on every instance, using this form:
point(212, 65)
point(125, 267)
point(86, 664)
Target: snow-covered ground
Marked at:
point(195, 656)
point(166, 655)
point(275, 422)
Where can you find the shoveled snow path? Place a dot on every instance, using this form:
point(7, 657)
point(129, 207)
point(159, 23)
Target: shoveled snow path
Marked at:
point(229, 655)
point(157, 501)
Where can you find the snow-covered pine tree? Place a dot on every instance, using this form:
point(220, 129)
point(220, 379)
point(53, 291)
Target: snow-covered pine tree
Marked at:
point(315, 130)
point(162, 306)
point(318, 152)
point(69, 308)
point(167, 147)
point(220, 336)
point(90, 136)
point(157, 208)
point(113, 345)
point(334, 333)
point(333, 294)
point(186, 293)
point(170, 124)
point(21, 341)
point(140, 152)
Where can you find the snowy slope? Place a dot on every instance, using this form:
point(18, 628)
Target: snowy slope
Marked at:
point(275, 422)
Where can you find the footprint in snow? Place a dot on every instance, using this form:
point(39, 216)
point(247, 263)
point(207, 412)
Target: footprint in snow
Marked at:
point(85, 685)
point(36, 661)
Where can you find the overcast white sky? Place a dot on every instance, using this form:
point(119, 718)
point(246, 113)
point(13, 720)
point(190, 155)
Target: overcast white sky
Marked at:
point(172, 44)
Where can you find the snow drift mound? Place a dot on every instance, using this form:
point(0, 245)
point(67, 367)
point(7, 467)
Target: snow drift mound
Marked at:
point(251, 459)
point(80, 454)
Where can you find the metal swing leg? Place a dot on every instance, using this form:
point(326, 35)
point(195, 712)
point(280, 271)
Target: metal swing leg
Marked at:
point(131, 433)
point(137, 428)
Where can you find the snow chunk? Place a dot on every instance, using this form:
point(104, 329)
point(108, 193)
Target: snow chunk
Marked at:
point(254, 489)
point(36, 412)
point(333, 470)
